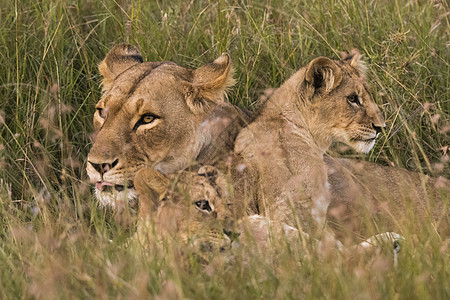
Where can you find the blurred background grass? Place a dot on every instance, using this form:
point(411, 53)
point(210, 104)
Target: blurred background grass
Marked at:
point(55, 243)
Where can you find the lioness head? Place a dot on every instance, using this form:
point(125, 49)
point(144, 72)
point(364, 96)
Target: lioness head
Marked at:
point(336, 102)
point(151, 114)
point(187, 205)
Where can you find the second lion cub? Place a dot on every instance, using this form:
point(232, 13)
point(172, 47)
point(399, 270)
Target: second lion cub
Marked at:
point(279, 169)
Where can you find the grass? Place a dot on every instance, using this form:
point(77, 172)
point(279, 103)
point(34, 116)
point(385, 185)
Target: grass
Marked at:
point(56, 243)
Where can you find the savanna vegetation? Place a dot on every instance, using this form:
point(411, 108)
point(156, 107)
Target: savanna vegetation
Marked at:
point(55, 242)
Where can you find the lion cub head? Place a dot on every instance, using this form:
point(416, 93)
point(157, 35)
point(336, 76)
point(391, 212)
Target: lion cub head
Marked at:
point(335, 102)
point(151, 114)
point(191, 206)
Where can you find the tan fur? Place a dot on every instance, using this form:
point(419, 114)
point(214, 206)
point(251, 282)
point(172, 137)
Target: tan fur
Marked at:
point(189, 121)
point(118, 60)
point(279, 170)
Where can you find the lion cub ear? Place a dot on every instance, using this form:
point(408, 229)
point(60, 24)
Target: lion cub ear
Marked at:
point(150, 187)
point(210, 83)
point(357, 63)
point(321, 74)
point(118, 59)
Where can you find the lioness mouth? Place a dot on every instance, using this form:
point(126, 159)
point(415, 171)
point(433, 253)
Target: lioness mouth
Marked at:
point(108, 187)
point(120, 188)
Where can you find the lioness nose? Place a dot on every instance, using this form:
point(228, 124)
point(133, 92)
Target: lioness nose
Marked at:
point(105, 167)
point(377, 128)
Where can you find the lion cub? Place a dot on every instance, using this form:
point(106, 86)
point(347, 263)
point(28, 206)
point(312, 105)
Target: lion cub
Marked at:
point(280, 170)
point(189, 206)
point(278, 167)
point(195, 206)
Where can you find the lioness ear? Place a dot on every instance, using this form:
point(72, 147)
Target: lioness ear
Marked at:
point(118, 59)
point(210, 83)
point(150, 186)
point(322, 73)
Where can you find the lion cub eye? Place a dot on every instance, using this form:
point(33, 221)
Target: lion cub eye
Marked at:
point(353, 99)
point(203, 205)
point(100, 113)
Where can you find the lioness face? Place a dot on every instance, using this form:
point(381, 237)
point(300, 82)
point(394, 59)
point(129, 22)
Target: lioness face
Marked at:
point(188, 205)
point(341, 101)
point(150, 115)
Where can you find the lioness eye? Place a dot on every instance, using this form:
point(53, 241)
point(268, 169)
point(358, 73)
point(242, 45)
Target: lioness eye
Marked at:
point(353, 98)
point(203, 205)
point(145, 119)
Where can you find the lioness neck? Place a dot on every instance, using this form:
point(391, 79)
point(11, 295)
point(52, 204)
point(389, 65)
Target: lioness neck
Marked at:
point(218, 133)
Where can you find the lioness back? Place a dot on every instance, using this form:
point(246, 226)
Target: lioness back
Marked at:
point(369, 198)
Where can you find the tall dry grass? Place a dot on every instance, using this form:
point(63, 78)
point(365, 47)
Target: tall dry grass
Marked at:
point(56, 243)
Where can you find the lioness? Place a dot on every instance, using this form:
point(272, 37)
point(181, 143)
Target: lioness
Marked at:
point(158, 115)
point(279, 162)
point(126, 142)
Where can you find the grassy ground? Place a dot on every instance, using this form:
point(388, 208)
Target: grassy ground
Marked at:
point(55, 243)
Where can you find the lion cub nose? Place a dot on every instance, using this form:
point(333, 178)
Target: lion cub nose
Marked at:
point(105, 167)
point(377, 128)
